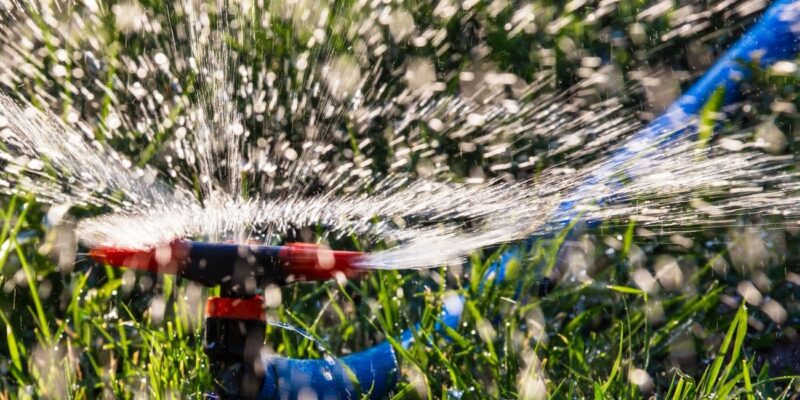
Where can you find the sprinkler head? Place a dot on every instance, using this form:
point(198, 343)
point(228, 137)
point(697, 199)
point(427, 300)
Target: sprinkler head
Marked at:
point(239, 269)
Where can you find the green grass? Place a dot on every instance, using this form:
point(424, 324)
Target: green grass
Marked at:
point(91, 332)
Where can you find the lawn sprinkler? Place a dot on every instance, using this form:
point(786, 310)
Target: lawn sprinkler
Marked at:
point(235, 321)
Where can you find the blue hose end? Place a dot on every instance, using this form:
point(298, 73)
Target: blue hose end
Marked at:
point(371, 373)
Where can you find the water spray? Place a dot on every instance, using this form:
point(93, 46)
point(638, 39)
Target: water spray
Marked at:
point(235, 322)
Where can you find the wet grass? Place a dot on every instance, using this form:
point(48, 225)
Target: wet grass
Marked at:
point(94, 331)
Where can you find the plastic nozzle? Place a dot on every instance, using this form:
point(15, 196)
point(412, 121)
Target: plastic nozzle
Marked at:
point(311, 262)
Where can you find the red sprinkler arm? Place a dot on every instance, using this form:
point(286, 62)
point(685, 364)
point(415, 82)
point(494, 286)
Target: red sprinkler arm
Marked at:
point(239, 268)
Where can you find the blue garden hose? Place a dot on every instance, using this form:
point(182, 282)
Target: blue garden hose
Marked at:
point(374, 372)
point(775, 37)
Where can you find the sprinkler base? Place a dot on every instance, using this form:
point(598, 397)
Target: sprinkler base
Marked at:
point(234, 335)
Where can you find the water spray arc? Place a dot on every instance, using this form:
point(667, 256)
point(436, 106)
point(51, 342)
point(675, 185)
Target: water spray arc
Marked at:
point(241, 269)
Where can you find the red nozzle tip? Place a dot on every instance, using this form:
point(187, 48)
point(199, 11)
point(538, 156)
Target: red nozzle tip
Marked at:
point(163, 259)
point(313, 262)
